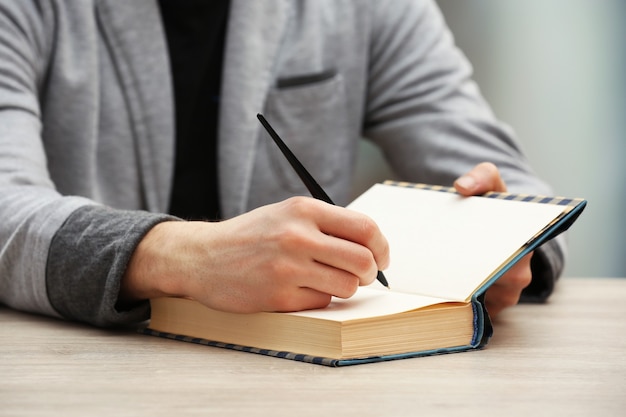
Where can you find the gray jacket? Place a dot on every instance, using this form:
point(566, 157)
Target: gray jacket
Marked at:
point(86, 127)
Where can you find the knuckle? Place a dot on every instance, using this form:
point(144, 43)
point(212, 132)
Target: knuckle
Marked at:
point(384, 257)
point(290, 237)
point(281, 270)
point(368, 228)
point(521, 280)
point(280, 300)
point(347, 287)
point(299, 205)
point(364, 264)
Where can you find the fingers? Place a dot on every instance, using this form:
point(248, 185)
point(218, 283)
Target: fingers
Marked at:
point(347, 240)
point(317, 262)
point(358, 228)
point(347, 257)
point(506, 291)
point(482, 178)
point(337, 250)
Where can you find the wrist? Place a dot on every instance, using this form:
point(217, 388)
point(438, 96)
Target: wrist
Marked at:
point(149, 273)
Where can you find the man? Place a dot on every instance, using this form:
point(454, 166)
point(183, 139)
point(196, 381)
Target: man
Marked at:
point(100, 157)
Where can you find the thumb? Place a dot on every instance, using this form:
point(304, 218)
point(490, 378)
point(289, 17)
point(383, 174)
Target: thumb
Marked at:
point(482, 178)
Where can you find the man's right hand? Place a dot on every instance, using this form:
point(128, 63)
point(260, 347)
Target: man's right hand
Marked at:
point(289, 256)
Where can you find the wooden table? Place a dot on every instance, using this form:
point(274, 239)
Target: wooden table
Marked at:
point(565, 358)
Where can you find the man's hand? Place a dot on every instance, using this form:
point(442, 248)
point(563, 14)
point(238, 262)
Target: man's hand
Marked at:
point(293, 255)
point(506, 291)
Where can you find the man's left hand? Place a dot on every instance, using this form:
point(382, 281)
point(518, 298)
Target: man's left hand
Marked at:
point(506, 291)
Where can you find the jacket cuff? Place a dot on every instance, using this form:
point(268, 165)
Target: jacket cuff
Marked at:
point(87, 259)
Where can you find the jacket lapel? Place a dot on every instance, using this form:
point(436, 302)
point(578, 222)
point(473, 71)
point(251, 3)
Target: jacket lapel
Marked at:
point(133, 31)
point(255, 31)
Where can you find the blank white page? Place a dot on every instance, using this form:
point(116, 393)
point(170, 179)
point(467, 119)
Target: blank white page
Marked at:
point(445, 245)
point(367, 303)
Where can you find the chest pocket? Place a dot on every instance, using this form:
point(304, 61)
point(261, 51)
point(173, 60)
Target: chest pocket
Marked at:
point(309, 113)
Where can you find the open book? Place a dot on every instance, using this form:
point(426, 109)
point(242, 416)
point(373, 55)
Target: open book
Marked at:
point(446, 250)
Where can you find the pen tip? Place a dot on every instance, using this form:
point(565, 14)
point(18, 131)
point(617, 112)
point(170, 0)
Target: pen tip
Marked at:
point(381, 278)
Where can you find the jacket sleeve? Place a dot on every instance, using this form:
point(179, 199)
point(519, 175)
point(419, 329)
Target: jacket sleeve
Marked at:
point(59, 255)
point(430, 120)
point(87, 258)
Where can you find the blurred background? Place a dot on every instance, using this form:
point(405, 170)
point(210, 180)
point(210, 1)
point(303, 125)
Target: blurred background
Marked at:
point(555, 70)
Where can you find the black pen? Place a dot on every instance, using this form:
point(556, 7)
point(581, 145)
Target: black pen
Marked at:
point(314, 188)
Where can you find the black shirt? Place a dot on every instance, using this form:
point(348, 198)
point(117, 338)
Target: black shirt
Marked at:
point(195, 31)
